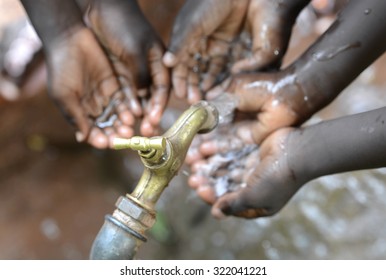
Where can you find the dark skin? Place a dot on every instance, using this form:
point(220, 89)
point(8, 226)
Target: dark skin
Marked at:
point(291, 157)
point(209, 28)
point(290, 96)
point(80, 78)
point(135, 51)
point(131, 82)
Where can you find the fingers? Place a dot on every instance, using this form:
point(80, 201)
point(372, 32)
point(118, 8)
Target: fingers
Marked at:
point(216, 67)
point(159, 91)
point(179, 80)
point(237, 204)
point(272, 117)
point(218, 90)
point(130, 94)
point(98, 139)
point(202, 28)
point(71, 107)
point(271, 33)
point(192, 23)
point(259, 59)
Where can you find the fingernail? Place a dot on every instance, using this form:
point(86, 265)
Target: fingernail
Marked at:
point(208, 148)
point(155, 114)
point(206, 193)
point(125, 131)
point(127, 118)
point(193, 96)
point(146, 128)
point(194, 181)
point(79, 136)
point(169, 59)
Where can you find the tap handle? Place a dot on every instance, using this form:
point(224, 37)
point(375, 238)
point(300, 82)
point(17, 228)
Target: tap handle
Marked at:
point(139, 143)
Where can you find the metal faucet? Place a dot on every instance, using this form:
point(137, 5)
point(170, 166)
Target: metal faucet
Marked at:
point(124, 231)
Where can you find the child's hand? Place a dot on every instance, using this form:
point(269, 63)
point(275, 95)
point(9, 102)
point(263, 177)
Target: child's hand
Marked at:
point(205, 33)
point(82, 83)
point(255, 183)
point(135, 51)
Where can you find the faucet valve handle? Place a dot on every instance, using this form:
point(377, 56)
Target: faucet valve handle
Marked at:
point(142, 144)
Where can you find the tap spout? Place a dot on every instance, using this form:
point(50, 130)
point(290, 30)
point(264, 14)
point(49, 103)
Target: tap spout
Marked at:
point(162, 157)
point(199, 118)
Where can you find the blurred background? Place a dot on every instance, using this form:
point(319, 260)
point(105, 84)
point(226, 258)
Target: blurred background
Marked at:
point(55, 192)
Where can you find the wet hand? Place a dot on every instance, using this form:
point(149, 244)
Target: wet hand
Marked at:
point(205, 40)
point(136, 55)
point(200, 43)
point(270, 23)
point(82, 83)
point(239, 179)
point(274, 100)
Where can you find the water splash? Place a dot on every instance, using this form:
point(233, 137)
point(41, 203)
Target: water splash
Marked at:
point(226, 105)
point(107, 118)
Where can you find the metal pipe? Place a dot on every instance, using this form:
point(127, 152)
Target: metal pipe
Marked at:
point(124, 231)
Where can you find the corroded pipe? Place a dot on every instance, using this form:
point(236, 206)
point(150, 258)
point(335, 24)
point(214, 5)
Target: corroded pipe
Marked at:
point(124, 231)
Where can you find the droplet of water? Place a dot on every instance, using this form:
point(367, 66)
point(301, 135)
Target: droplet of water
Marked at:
point(50, 229)
point(306, 98)
point(367, 11)
point(197, 56)
point(195, 69)
point(276, 52)
point(275, 103)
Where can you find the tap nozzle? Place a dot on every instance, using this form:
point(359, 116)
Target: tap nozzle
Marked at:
point(139, 143)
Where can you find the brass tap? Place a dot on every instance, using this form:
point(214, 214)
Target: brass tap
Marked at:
point(162, 157)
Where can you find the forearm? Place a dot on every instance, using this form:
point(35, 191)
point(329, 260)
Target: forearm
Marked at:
point(53, 19)
point(352, 43)
point(350, 143)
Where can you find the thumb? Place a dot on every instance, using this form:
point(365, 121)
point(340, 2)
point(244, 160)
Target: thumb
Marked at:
point(196, 20)
point(261, 56)
point(270, 119)
point(184, 32)
point(268, 44)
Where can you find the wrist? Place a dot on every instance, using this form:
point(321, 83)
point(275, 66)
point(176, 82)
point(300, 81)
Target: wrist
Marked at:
point(53, 19)
point(297, 157)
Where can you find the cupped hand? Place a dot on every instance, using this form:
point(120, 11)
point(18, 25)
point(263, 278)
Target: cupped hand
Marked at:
point(135, 51)
point(82, 82)
point(270, 23)
point(241, 179)
point(202, 36)
point(273, 100)
point(206, 35)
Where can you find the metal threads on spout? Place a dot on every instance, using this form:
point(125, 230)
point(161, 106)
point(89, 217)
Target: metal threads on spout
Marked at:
point(138, 143)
